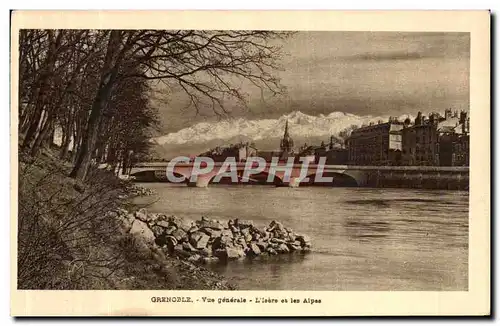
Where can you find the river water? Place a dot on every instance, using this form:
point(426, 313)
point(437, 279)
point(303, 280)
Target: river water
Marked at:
point(363, 238)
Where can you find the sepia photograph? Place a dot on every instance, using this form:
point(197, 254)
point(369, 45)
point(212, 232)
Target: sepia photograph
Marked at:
point(244, 159)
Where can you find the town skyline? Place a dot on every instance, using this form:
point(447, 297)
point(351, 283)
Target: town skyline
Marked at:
point(266, 133)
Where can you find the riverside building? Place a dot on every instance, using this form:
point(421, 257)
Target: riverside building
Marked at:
point(376, 144)
point(436, 140)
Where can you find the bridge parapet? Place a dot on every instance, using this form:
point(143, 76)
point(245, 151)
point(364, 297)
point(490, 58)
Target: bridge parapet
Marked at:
point(164, 165)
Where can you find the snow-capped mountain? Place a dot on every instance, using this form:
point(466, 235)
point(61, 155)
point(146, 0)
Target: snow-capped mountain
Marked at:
point(301, 126)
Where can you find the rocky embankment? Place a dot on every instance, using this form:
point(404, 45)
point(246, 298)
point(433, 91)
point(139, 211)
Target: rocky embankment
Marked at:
point(207, 240)
point(134, 191)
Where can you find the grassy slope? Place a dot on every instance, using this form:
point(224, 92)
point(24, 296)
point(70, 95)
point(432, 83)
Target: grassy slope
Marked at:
point(66, 240)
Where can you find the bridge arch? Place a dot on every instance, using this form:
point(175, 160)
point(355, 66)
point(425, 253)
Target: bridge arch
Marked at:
point(145, 176)
point(260, 178)
point(157, 176)
point(339, 180)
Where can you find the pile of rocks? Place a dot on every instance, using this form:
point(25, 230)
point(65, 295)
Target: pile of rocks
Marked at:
point(134, 191)
point(207, 240)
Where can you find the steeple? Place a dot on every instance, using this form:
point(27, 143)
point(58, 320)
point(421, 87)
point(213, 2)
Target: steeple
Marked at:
point(286, 144)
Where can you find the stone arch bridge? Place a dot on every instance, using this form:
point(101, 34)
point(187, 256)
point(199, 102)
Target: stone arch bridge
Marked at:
point(330, 175)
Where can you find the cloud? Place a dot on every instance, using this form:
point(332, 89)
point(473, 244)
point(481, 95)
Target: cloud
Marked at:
point(363, 73)
point(385, 56)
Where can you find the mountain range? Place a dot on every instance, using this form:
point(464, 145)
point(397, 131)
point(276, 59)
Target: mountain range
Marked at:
point(265, 133)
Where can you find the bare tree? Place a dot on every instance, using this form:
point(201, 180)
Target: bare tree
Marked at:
point(71, 80)
point(202, 63)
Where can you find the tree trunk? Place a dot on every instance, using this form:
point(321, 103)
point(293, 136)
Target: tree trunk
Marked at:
point(42, 135)
point(33, 127)
point(89, 139)
point(44, 87)
point(125, 161)
point(67, 133)
point(108, 76)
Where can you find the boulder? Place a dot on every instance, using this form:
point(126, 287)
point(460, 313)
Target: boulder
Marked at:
point(168, 242)
point(254, 249)
point(179, 234)
point(262, 245)
point(162, 217)
point(271, 251)
point(245, 231)
point(152, 218)
point(179, 251)
point(283, 249)
point(277, 240)
point(241, 251)
point(276, 227)
point(227, 233)
point(142, 214)
point(212, 233)
point(163, 224)
point(282, 235)
point(265, 235)
point(181, 223)
point(170, 230)
point(244, 223)
point(213, 224)
point(273, 245)
point(194, 258)
point(241, 241)
point(188, 247)
point(193, 229)
point(221, 242)
point(157, 230)
point(234, 229)
point(256, 236)
point(141, 230)
point(199, 240)
point(303, 239)
point(202, 242)
point(171, 240)
point(205, 252)
point(195, 236)
point(293, 247)
point(233, 253)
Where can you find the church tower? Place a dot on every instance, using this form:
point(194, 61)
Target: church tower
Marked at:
point(286, 145)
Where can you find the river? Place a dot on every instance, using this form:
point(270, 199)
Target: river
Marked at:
point(363, 238)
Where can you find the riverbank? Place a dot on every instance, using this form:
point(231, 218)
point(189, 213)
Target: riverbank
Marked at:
point(68, 240)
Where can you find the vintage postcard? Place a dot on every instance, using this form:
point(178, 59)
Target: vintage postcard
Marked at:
point(250, 163)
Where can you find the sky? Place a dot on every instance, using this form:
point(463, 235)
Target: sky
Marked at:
point(362, 73)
